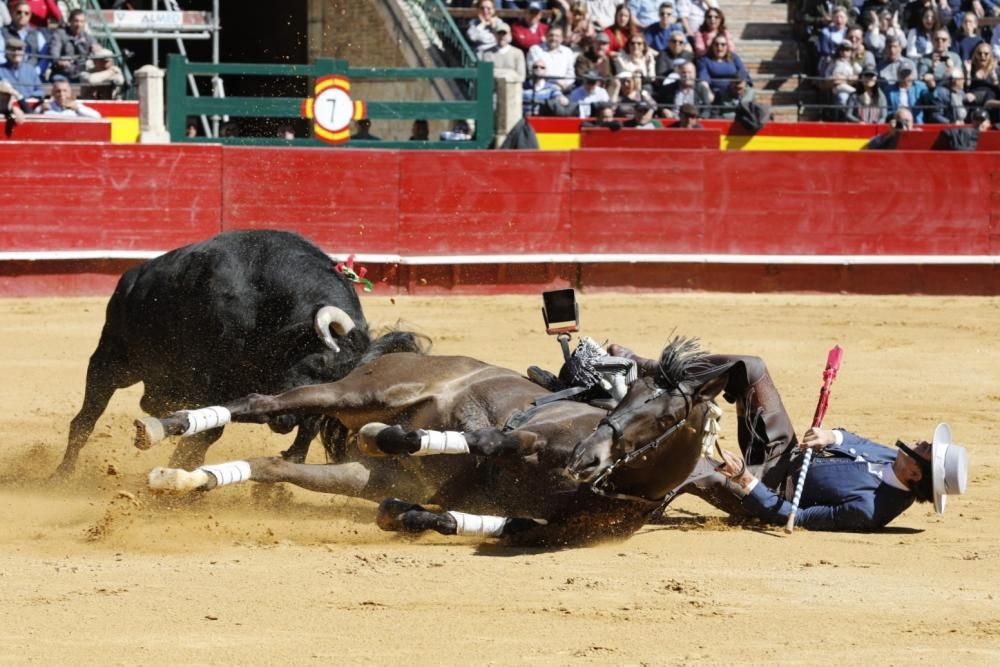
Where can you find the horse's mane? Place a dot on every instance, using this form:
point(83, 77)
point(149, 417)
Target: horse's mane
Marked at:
point(394, 339)
point(682, 360)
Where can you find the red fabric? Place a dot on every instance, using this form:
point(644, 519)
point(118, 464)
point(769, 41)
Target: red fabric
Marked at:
point(40, 11)
point(619, 40)
point(523, 38)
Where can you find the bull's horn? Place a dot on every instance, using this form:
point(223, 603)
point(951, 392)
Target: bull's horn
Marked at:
point(331, 316)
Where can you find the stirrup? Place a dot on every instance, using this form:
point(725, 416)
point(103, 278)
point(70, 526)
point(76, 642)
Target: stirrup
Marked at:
point(544, 379)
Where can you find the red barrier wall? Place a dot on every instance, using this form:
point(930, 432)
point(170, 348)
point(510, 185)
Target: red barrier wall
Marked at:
point(557, 205)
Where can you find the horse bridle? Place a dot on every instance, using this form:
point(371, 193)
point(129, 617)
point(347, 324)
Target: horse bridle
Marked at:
point(613, 422)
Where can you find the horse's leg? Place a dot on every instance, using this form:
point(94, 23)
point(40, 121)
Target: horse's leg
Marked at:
point(379, 439)
point(343, 478)
point(255, 409)
point(368, 481)
point(397, 515)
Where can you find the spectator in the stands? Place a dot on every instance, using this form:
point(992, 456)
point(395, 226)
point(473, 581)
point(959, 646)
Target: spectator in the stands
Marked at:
point(604, 116)
point(18, 73)
point(44, 12)
point(602, 12)
point(461, 130)
point(481, 31)
point(949, 100)
point(720, 66)
point(658, 34)
point(538, 89)
point(559, 60)
point(885, 25)
point(63, 102)
point(920, 40)
point(668, 61)
point(36, 46)
point(71, 46)
point(687, 118)
point(420, 130)
point(595, 57)
point(968, 36)
point(736, 93)
point(861, 57)
point(714, 24)
point(841, 75)
point(892, 60)
point(642, 117)
point(902, 121)
point(579, 27)
point(688, 90)
point(979, 119)
point(104, 79)
point(363, 130)
point(831, 36)
point(692, 14)
point(622, 29)
point(589, 93)
point(637, 58)
point(940, 63)
point(526, 32)
point(645, 12)
point(505, 56)
point(908, 92)
point(817, 14)
point(868, 103)
point(913, 12)
point(627, 91)
point(983, 80)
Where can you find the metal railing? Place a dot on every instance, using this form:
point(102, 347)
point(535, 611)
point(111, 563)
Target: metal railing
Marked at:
point(181, 105)
point(432, 18)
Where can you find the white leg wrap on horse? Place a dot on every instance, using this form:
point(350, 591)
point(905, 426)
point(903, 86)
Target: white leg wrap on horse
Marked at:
point(204, 419)
point(442, 442)
point(231, 472)
point(480, 525)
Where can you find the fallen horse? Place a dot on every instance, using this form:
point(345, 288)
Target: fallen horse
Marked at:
point(538, 472)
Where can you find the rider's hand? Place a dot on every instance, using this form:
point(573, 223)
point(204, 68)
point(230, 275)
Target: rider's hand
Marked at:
point(735, 469)
point(817, 438)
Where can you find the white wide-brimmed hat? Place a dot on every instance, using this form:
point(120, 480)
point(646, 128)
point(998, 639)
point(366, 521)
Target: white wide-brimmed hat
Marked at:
point(949, 467)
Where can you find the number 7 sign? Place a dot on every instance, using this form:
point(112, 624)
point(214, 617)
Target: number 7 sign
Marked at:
point(332, 109)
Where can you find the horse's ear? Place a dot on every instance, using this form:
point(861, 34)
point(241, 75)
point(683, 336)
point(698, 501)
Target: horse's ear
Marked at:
point(712, 387)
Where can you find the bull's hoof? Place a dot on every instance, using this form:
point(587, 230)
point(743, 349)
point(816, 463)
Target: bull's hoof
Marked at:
point(148, 432)
point(368, 436)
point(391, 512)
point(177, 480)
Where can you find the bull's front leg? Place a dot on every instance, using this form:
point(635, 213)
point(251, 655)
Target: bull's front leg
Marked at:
point(377, 439)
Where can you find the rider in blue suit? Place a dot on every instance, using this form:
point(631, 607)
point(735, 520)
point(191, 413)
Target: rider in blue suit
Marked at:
point(852, 483)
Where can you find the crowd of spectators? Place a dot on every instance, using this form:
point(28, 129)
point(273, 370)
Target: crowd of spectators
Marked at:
point(634, 57)
point(936, 60)
point(49, 56)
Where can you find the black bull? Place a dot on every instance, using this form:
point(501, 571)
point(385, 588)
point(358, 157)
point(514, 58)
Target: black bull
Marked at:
point(244, 311)
point(620, 465)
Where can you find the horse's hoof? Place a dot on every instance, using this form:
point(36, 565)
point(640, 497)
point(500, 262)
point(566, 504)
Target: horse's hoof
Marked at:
point(368, 436)
point(176, 480)
point(390, 514)
point(148, 432)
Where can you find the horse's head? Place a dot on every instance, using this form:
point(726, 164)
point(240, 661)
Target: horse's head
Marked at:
point(655, 433)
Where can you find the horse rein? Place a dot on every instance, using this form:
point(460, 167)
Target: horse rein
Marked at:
point(597, 486)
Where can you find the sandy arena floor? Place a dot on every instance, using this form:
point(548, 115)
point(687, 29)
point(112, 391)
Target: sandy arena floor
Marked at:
point(98, 572)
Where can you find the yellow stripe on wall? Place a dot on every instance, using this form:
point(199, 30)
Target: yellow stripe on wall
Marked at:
point(764, 143)
point(558, 141)
point(124, 130)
